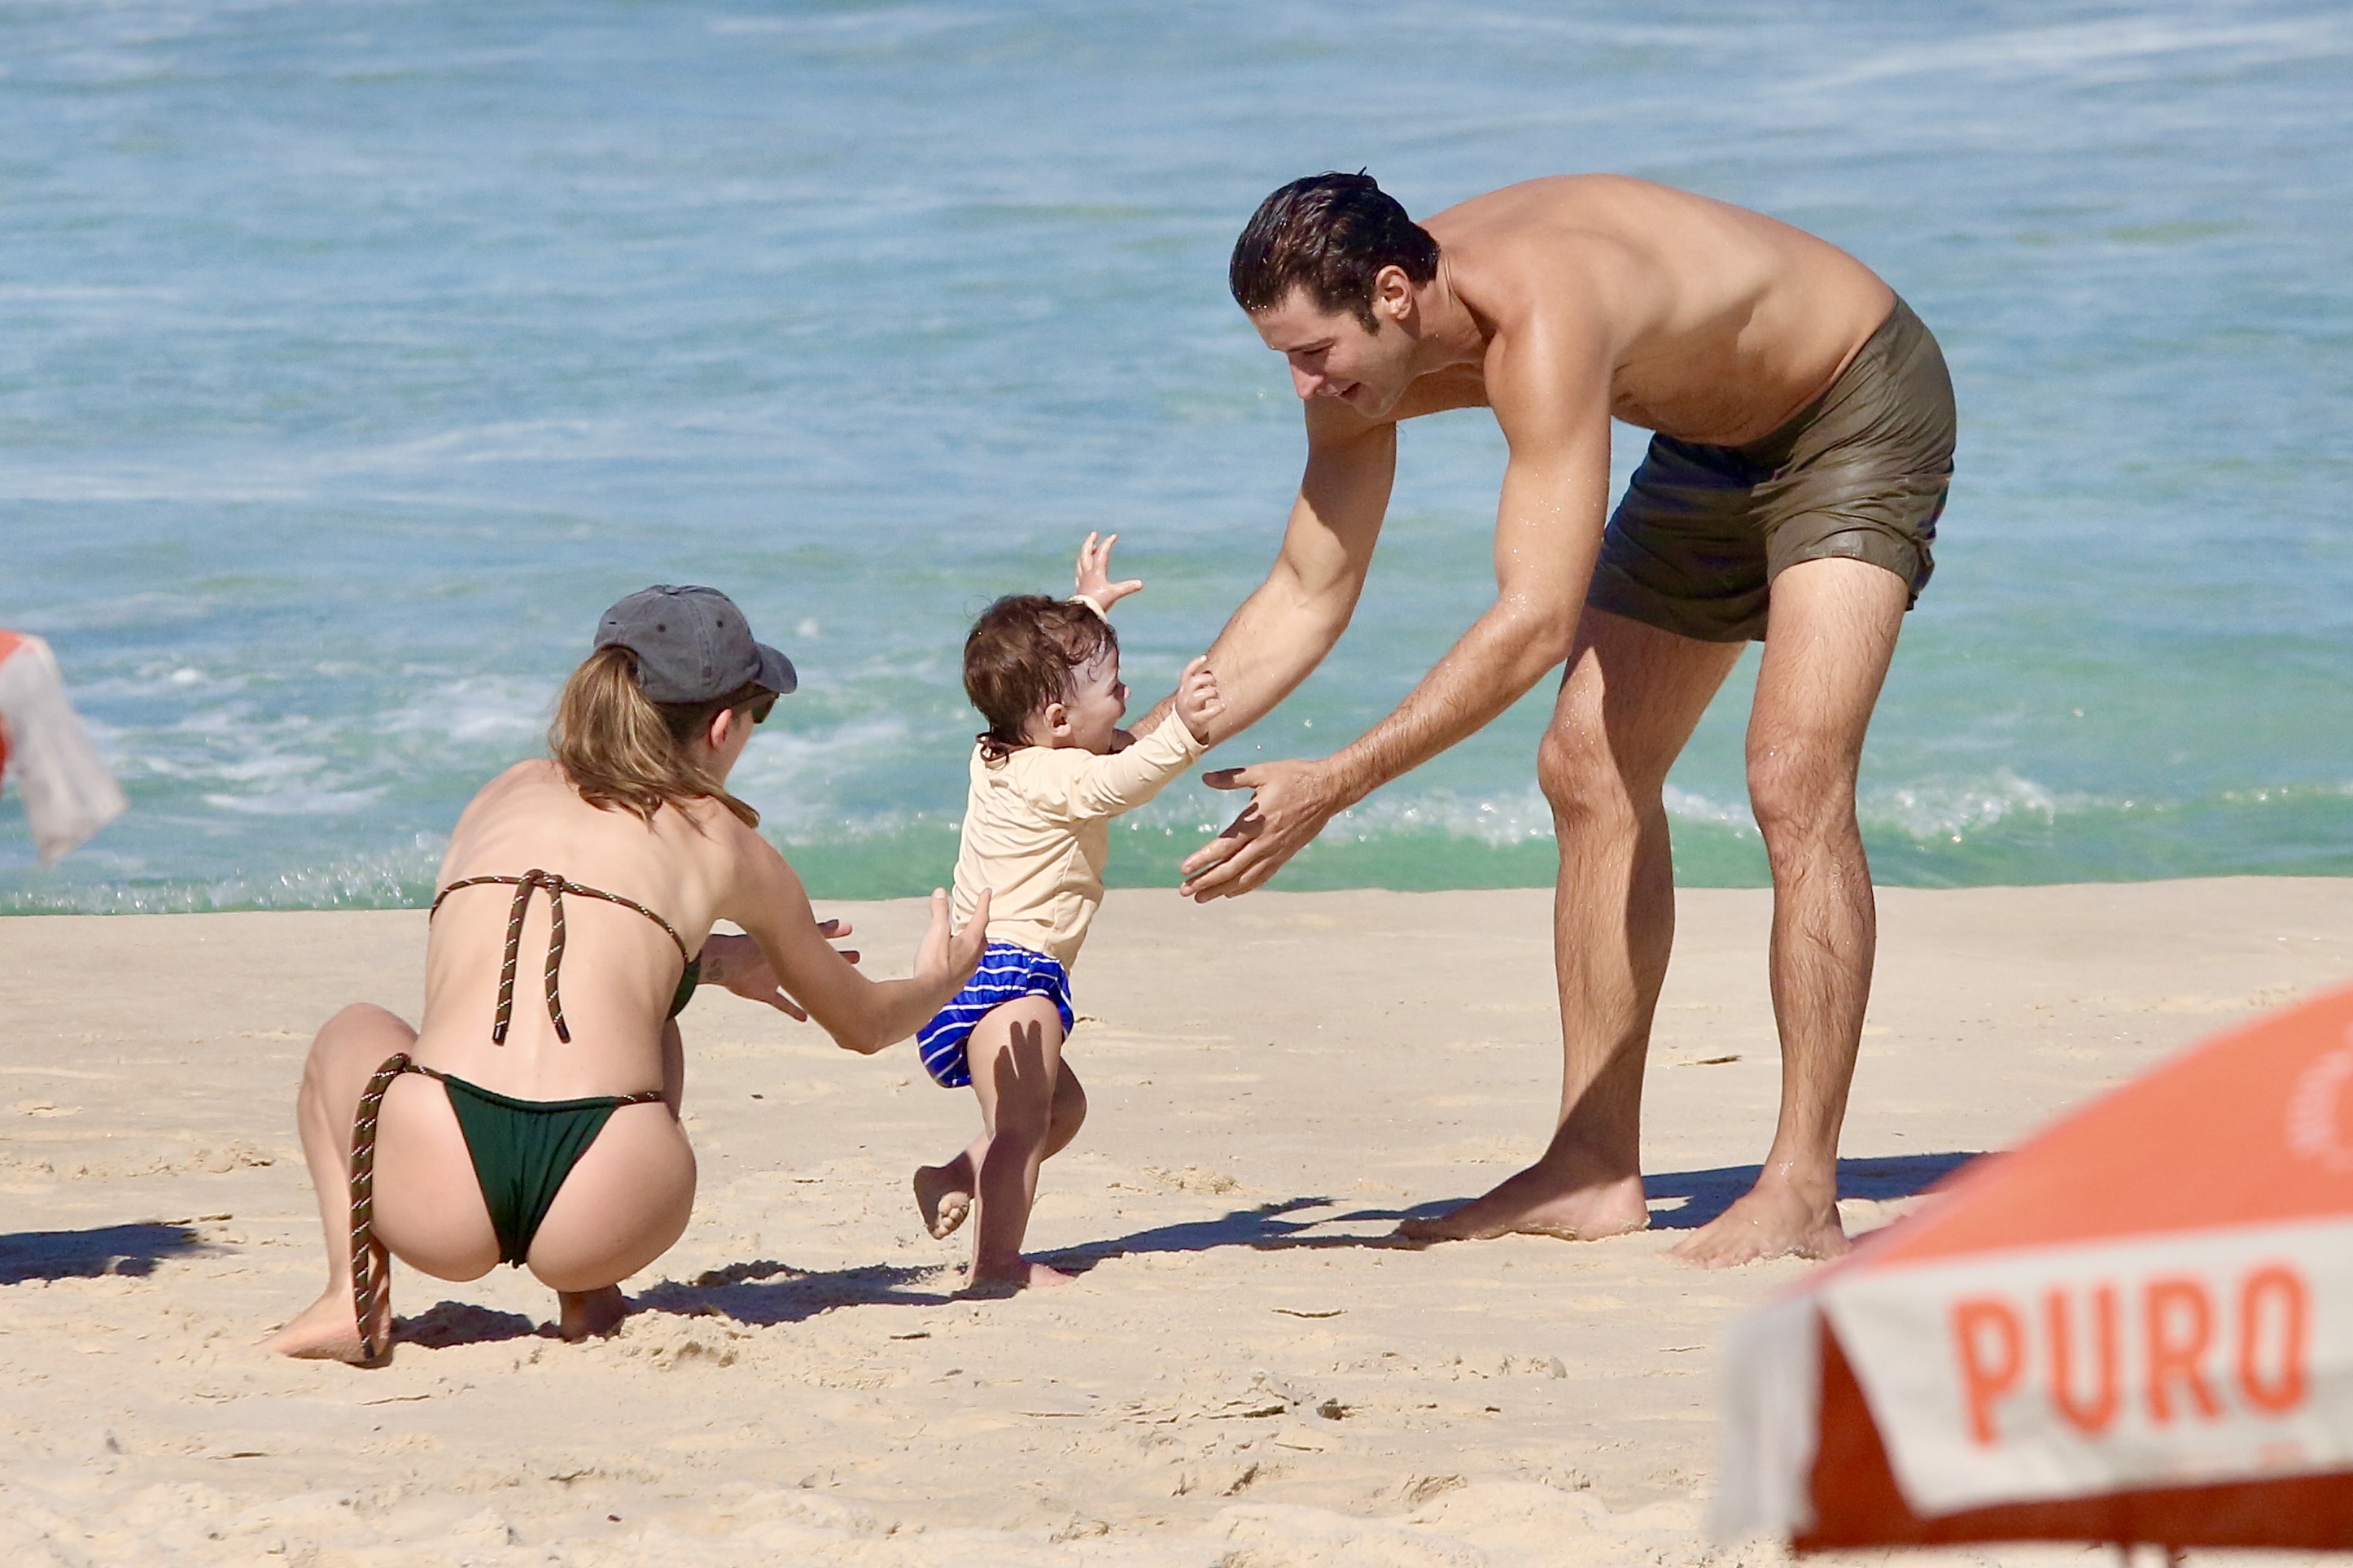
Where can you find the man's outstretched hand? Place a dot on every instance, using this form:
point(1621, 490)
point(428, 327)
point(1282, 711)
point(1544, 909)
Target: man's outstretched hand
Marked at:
point(1290, 804)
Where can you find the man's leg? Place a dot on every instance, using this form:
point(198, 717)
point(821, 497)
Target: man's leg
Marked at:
point(1832, 632)
point(1632, 696)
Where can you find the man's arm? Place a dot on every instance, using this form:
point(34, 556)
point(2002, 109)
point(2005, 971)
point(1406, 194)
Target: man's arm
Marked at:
point(1552, 398)
point(1284, 628)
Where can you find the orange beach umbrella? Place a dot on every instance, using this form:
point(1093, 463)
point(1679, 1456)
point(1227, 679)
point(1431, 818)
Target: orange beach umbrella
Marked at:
point(2136, 1327)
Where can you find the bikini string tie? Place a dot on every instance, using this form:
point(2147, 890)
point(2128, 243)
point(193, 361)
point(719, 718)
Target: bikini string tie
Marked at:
point(556, 887)
point(524, 885)
point(366, 1288)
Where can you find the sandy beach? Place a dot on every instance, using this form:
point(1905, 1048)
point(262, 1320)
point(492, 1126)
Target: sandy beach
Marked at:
point(1240, 1377)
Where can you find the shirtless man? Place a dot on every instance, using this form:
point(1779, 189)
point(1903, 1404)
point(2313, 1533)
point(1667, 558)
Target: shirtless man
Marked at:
point(1804, 430)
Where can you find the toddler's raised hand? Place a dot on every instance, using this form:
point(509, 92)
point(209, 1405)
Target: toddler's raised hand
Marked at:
point(1095, 573)
point(1197, 701)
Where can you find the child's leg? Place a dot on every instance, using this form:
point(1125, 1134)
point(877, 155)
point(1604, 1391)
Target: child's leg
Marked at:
point(347, 1051)
point(943, 1193)
point(1016, 1054)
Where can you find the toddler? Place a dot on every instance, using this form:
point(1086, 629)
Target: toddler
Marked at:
point(1048, 775)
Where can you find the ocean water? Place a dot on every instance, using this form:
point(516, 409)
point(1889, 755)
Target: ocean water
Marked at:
point(353, 356)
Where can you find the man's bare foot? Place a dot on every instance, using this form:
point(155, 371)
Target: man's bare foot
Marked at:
point(1535, 1203)
point(1765, 1222)
point(584, 1313)
point(944, 1196)
point(326, 1330)
point(1023, 1276)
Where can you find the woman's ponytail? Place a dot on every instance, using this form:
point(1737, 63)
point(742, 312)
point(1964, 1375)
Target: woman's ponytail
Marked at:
point(622, 751)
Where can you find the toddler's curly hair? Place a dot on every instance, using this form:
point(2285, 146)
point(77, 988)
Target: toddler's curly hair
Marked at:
point(1024, 652)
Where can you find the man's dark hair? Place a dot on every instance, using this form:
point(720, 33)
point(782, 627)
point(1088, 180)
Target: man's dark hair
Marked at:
point(1330, 234)
point(1025, 651)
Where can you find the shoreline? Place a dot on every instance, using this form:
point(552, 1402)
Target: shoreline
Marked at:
point(1713, 855)
point(1275, 1081)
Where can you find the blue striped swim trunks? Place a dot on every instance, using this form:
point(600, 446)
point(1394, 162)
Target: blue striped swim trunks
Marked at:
point(1008, 971)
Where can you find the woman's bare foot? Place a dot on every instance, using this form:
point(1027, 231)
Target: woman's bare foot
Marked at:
point(944, 1196)
point(326, 1330)
point(584, 1313)
point(1533, 1202)
point(1023, 1276)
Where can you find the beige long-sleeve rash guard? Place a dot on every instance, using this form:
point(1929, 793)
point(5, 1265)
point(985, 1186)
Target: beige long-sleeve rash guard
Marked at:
point(1037, 830)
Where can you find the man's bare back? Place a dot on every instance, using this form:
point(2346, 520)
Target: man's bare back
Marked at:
point(1720, 322)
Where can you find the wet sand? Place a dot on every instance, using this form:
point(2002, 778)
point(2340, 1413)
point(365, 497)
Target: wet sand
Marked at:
point(1244, 1375)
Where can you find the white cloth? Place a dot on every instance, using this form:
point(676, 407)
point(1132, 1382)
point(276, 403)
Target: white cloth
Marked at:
point(68, 795)
point(1772, 1395)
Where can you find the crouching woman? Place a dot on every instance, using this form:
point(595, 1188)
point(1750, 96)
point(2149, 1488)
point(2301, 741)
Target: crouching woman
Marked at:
point(533, 1117)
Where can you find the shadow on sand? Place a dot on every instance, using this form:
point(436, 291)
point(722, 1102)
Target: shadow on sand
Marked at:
point(1276, 1226)
point(446, 1323)
point(132, 1249)
point(770, 1292)
point(756, 1293)
point(1295, 1222)
point(1707, 1193)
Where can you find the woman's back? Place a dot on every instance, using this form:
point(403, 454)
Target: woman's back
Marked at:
point(620, 969)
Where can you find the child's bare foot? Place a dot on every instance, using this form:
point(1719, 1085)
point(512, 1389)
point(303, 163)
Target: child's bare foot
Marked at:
point(326, 1331)
point(944, 1196)
point(584, 1313)
point(1023, 1276)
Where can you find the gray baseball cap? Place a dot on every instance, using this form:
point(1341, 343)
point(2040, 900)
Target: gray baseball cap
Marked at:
point(692, 645)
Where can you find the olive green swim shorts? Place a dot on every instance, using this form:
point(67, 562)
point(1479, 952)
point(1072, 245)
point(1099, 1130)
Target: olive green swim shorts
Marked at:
point(1860, 472)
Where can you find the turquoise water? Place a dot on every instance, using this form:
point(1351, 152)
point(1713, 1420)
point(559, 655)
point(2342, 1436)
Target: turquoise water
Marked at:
point(351, 357)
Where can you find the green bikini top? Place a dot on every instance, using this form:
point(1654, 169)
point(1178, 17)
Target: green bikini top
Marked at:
point(556, 888)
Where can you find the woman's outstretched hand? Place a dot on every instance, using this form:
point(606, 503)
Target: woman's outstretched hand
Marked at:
point(1095, 573)
point(948, 955)
point(736, 963)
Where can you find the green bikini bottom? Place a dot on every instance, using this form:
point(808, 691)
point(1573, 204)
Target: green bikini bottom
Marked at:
point(523, 1150)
